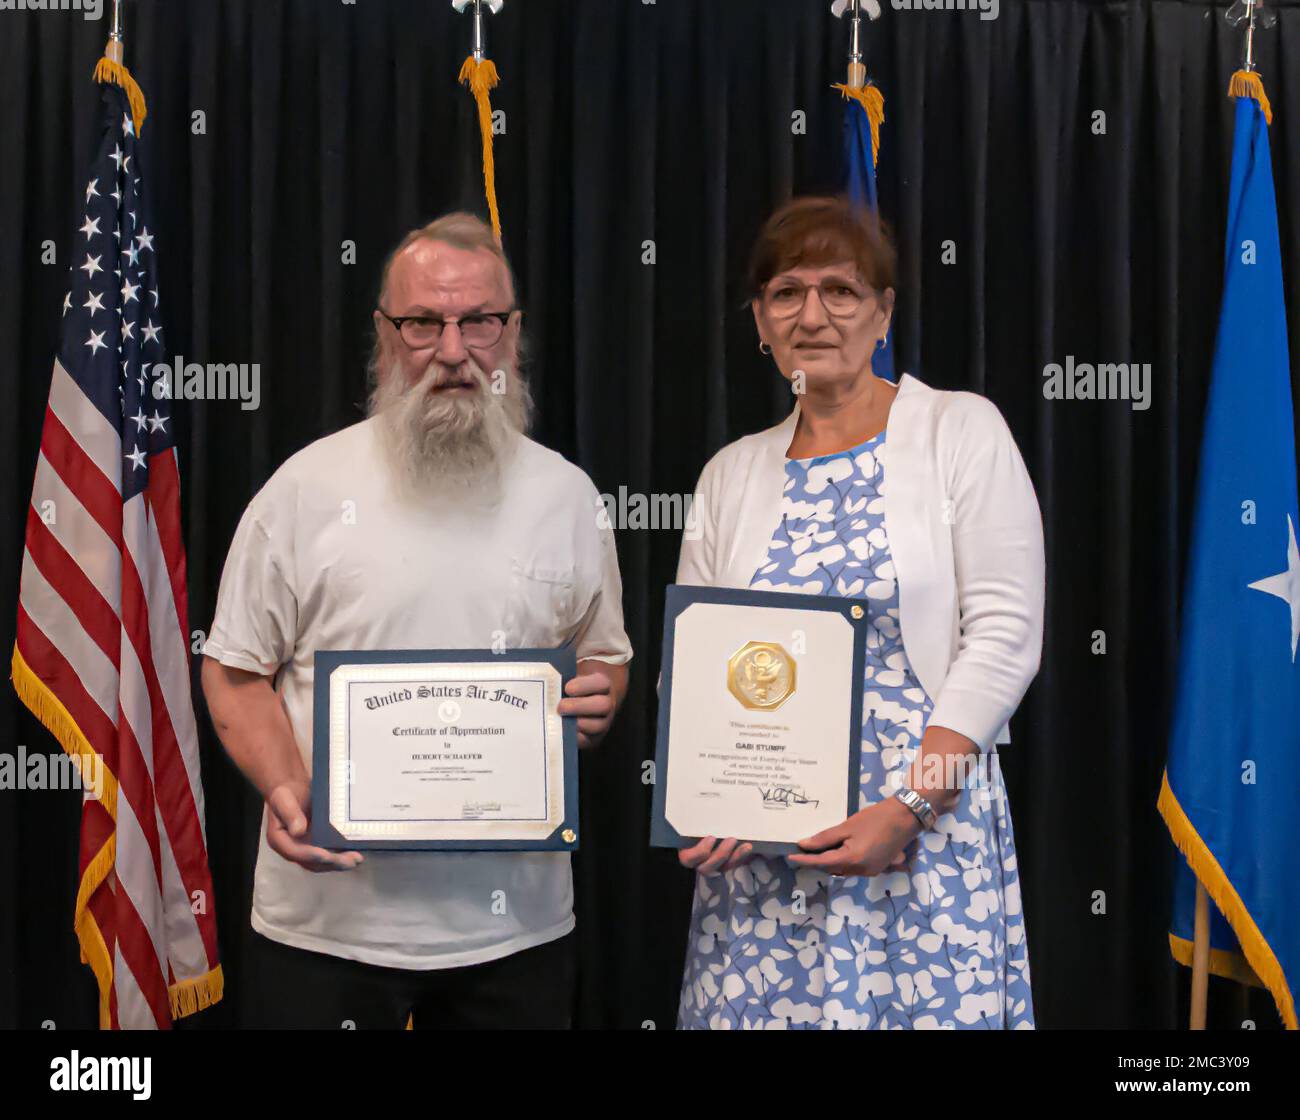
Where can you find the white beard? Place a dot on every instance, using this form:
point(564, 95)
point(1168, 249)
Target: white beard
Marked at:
point(454, 445)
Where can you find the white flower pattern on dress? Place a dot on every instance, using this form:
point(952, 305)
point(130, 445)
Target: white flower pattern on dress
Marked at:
point(939, 944)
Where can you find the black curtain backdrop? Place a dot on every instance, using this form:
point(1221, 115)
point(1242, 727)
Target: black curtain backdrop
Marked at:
point(671, 122)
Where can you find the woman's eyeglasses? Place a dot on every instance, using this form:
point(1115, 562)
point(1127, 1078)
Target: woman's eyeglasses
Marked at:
point(786, 298)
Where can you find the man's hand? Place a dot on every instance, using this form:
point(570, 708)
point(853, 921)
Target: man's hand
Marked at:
point(288, 813)
point(868, 843)
point(593, 696)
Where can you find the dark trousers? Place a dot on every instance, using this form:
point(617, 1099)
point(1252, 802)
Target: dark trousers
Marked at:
point(295, 989)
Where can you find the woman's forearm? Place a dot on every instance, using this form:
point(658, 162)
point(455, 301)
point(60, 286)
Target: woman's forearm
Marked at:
point(938, 772)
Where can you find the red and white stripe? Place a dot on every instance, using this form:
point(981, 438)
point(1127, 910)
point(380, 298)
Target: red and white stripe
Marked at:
point(103, 624)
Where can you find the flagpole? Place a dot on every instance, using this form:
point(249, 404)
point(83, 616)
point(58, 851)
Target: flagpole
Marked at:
point(113, 52)
point(857, 75)
point(1248, 62)
point(857, 68)
point(1200, 958)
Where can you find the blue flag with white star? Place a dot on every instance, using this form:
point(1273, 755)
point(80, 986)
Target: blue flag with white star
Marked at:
point(1231, 795)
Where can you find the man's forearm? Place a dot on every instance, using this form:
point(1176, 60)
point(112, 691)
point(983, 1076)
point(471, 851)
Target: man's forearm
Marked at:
point(252, 726)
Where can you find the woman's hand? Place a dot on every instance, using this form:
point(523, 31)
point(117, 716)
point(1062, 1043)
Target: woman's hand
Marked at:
point(869, 842)
point(728, 855)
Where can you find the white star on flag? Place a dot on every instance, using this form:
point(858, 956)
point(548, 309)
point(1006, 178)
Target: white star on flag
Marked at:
point(1286, 585)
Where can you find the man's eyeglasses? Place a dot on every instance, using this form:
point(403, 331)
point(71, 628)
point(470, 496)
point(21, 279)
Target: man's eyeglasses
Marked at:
point(481, 329)
point(785, 299)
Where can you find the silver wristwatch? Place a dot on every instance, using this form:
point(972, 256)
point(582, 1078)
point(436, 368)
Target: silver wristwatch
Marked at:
point(920, 807)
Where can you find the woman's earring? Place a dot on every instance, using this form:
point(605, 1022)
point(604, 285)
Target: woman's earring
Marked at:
point(764, 347)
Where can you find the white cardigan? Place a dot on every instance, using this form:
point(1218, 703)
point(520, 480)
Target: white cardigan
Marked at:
point(964, 530)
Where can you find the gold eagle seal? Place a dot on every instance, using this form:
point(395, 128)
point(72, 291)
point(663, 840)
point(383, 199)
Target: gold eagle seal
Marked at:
point(761, 675)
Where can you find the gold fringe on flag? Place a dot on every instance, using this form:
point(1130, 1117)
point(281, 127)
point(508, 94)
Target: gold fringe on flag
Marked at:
point(47, 708)
point(106, 70)
point(873, 101)
point(1259, 955)
point(189, 996)
point(482, 77)
point(186, 996)
point(1246, 83)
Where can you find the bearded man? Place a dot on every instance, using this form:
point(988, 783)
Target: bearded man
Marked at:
point(434, 523)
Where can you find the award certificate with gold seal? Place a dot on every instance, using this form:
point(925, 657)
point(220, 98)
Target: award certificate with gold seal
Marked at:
point(443, 749)
point(760, 716)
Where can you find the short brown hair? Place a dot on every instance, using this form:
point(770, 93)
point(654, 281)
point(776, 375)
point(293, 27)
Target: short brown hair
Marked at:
point(820, 230)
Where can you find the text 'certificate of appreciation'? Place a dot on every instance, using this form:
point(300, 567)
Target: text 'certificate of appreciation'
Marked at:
point(443, 749)
point(759, 716)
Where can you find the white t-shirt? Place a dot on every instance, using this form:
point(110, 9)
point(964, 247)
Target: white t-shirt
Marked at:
point(325, 557)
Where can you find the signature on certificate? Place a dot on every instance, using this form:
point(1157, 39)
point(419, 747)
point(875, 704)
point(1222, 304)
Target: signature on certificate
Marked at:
point(784, 796)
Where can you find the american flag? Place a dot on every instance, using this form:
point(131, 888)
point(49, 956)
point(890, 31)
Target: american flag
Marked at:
point(102, 651)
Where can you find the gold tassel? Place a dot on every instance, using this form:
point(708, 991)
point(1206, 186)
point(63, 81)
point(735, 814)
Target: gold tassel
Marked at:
point(106, 70)
point(1206, 868)
point(481, 77)
point(873, 101)
point(1246, 83)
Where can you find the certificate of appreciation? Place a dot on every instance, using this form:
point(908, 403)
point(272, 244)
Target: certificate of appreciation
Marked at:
point(760, 716)
point(443, 749)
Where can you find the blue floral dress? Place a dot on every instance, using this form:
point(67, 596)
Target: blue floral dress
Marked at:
point(937, 944)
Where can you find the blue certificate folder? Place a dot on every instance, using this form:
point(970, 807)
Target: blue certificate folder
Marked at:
point(563, 838)
point(679, 597)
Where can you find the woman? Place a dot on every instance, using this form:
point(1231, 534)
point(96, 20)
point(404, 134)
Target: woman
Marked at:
point(917, 502)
